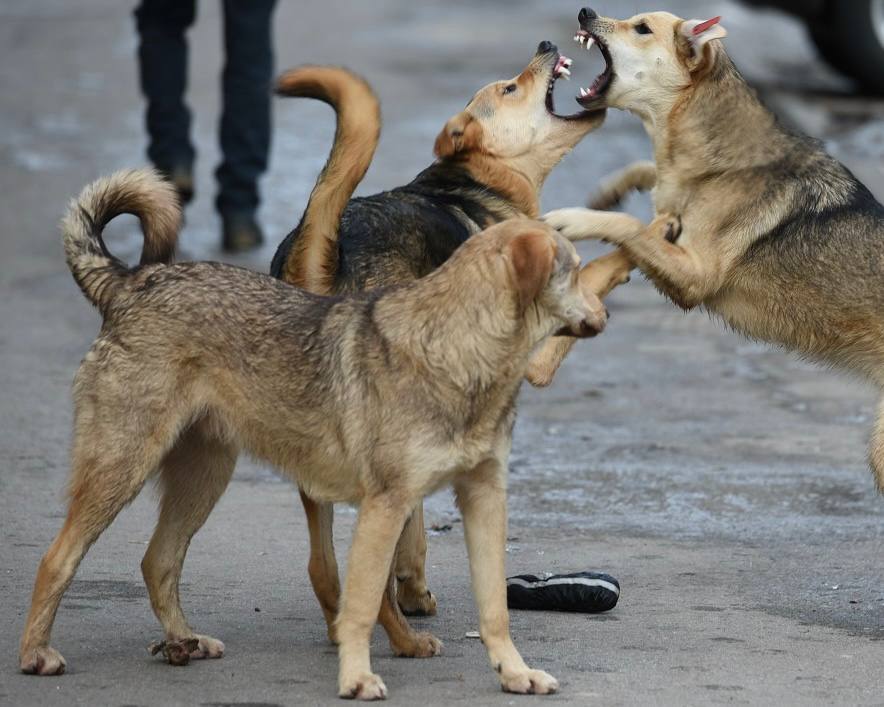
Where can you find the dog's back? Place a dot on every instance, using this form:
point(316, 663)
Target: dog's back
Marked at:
point(345, 244)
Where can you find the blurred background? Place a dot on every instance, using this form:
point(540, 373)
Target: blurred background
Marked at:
point(709, 473)
point(72, 109)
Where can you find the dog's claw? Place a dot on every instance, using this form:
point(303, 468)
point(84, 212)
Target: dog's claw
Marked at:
point(673, 229)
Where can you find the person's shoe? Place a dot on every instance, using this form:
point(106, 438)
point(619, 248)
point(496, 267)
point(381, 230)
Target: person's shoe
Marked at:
point(240, 232)
point(182, 179)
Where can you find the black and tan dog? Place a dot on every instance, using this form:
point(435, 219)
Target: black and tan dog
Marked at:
point(493, 158)
point(754, 223)
point(374, 399)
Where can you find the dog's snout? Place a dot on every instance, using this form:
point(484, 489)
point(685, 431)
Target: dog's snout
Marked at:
point(587, 14)
point(546, 47)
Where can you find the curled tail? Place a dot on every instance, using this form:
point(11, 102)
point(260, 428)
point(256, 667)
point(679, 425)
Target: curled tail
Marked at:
point(311, 260)
point(142, 193)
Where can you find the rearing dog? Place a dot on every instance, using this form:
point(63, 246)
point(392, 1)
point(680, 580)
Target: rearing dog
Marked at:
point(754, 223)
point(493, 158)
point(374, 399)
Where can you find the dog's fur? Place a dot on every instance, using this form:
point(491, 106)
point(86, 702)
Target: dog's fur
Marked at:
point(375, 399)
point(493, 158)
point(755, 223)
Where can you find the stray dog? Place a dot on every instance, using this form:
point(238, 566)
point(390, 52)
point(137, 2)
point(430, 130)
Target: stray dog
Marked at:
point(754, 223)
point(493, 158)
point(374, 399)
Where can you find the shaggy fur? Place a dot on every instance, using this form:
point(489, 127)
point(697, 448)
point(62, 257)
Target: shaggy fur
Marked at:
point(754, 223)
point(493, 158)
point(374, 399)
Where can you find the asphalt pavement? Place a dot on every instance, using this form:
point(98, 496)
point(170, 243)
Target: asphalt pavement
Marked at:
point(722, 481)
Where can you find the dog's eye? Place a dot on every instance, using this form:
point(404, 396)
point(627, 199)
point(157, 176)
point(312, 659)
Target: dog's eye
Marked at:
point(509, 88)
point(642, 28)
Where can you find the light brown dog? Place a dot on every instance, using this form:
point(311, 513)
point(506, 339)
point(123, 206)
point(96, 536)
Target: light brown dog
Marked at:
point(754, 223)
point(374, 399)
point(492, 160)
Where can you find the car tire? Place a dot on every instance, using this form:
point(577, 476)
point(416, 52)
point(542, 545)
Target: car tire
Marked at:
point(850, 37)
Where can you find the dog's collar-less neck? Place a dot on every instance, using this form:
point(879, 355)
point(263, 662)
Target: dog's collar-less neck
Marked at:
point(511, 185)
point(700, 129)
point(458, 336)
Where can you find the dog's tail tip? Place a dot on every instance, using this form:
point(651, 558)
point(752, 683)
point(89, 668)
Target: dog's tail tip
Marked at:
point(326, 83)
point(141, 192)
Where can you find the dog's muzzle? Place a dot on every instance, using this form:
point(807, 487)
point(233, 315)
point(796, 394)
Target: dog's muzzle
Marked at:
point(593, 325)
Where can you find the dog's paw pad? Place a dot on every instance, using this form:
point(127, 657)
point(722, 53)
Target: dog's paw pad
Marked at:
point(42, 661)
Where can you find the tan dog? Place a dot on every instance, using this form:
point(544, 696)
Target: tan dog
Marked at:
point(755, 224)
point(493, 158)
point(373, 399)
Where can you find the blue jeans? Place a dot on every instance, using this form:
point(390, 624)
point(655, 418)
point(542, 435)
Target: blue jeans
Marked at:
point(246, 83)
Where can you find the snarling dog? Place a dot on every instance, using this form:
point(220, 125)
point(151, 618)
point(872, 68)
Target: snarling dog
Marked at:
point(754, 223)
point(374, 399)
point(493, 158)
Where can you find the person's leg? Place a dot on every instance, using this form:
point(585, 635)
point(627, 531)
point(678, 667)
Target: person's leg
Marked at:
point(245, 121)
point(162, 63)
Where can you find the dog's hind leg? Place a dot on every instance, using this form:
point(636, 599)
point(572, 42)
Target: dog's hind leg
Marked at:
point(414, 598)
point(323, 570)
point(109, 467)
point(639, 176)
point(876, 448)
point(322, 566)
point(404, 640)
point(193, 476)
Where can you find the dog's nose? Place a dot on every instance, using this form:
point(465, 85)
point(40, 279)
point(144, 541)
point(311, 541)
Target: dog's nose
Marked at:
point(546, 48)
point(587, 14)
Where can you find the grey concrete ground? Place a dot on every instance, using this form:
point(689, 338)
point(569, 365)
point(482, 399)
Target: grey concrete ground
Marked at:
point(723, 482)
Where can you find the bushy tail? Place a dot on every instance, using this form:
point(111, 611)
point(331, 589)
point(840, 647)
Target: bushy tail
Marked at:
point(142, 193)
point(312, 261)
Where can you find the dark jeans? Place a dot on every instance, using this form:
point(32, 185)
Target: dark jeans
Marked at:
point(248, 70)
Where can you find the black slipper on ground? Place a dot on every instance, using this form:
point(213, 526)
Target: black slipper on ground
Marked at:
point(585, 592)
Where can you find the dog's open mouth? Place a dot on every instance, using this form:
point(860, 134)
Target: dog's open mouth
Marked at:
point(562, 68)
point(592, 96)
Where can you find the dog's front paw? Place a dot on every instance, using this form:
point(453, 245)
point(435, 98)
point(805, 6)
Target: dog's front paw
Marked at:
point(605, 199)
point(574, 224)
point(44, 660)
point(365, 686)
point(175, 652)
point(529, 682)
point(207, 647)
point(415, 601)
point(420, 644)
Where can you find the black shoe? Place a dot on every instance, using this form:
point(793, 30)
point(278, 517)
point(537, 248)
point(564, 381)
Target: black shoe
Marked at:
point(182, 179)
point(240, 232)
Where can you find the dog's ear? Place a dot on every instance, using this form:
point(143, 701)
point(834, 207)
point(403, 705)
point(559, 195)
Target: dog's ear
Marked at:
point(532, 255)
point(692, 37)
point(460, 134)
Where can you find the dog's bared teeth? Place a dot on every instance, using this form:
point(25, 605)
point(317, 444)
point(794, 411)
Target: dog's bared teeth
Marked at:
point(589, 42)
point(564, 72)
point(583, 92)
